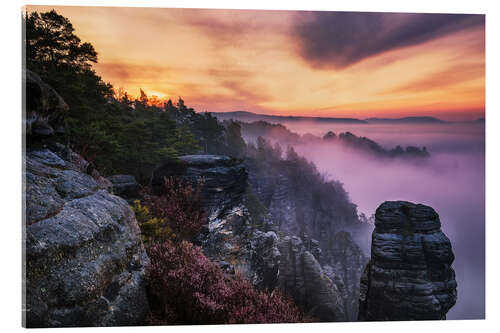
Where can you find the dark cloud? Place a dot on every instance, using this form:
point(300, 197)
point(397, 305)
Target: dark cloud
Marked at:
point(340, 39)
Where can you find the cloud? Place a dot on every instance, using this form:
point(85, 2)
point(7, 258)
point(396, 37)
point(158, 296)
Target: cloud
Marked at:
point(237, 96)
point(218, 28)
point(438, 80)
point(124, 72)
point(340, 39)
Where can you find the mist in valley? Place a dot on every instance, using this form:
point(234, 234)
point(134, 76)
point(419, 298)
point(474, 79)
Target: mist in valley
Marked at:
point(451, 180)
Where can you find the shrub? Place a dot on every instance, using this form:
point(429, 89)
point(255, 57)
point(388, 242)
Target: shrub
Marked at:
point(152, 228)
point(175, 215)
point(187, 288)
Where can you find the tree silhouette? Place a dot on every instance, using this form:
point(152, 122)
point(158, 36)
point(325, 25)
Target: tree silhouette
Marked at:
point(51, 43)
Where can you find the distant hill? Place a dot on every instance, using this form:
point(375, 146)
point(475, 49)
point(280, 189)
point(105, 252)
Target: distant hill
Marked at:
point(281, 134)
point(250, 117)
point(406, 120)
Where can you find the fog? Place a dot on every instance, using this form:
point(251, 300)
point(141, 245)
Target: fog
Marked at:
point(452, 181)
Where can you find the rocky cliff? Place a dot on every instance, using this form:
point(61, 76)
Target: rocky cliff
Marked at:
point(84, 257)
point(409, 276)
point(84, 260)
point(315, 213)
point(224, 179)
point(45, 109)
point(302, 277)
point(322, 276)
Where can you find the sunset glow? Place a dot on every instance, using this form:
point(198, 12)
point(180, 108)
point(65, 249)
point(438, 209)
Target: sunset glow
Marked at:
point(281, 62)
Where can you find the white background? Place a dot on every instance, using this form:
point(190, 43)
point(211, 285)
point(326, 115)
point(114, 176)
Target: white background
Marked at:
point(10, 155)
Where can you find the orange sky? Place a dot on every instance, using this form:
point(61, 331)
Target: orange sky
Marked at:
point(283, 62)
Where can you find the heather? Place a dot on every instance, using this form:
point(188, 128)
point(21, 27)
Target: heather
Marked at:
point(187, 288)
point(175, 214)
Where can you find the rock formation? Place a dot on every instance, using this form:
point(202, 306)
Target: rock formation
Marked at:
point(344, 262)
point(45, 109)
point(224, 178)
point(84, 262)
point(125, 186)
point(302, 277)
point(314, 218)
point(84, 256)
point(276, 254)
point(409, 276)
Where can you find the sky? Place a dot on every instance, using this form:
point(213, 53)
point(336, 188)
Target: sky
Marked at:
point(326, 64)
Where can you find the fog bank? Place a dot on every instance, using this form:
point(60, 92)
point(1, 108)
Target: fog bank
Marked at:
point(452, 181)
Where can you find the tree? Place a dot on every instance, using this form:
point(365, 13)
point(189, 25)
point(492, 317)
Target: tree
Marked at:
point(209, 131)
point(62, 60)
point(291, 155)
point(119, 135)
point(144, 98)
point(169, 106)
point(235, 142)
point(51, 44)
point(180, 104)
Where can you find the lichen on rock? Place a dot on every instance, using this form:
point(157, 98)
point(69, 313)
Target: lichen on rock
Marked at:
point(84, 257)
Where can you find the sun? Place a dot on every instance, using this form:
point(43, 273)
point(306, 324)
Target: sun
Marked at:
point(158, 94)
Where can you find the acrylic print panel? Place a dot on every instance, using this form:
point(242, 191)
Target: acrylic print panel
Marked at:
point(202, 166)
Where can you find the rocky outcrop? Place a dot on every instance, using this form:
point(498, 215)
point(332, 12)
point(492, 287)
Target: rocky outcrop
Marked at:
point(322, 276)
point(45, 109)
point(232, 240)
point(315, 213)
point(268, 261)
point(343, 262)
point(302, 277)
point(224, 179)
point(409, 276)
point(124, 186)
point(84, 259)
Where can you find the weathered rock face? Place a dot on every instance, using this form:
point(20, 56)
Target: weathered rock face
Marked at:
point(124, 186)
point(322, 276)
point(333, 227)
point(84, 257)
point(224, 178)
point(269, 262)
point(344, 262)
point(232, 240)
point(45, 109)
point(302, 277)
point(409, 276)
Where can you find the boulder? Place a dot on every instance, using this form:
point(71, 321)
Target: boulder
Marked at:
point(224, 179)
point(409, 276)
point(124, 186)
point(45, 109)
point(84, 259)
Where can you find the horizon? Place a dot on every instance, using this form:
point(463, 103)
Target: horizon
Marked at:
point(348, 117)
point(280, 63)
